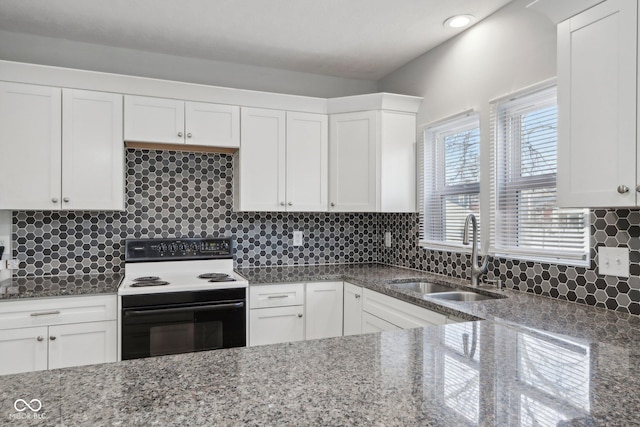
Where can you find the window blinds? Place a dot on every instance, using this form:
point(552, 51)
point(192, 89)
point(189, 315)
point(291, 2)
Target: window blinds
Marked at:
point(525, 219)
point(449, 159)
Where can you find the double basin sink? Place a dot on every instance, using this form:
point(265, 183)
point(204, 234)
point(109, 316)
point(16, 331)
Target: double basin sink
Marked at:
point(442, 292)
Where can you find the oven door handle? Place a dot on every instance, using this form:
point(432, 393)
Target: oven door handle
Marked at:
point(184, 309)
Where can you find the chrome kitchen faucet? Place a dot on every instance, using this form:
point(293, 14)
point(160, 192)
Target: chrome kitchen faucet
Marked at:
point(476, 270)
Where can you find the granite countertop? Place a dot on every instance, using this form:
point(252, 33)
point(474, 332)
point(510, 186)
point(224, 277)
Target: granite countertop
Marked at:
point(58, 286)
point(534, 361)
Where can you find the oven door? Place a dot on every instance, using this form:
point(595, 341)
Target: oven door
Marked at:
point(182, 328)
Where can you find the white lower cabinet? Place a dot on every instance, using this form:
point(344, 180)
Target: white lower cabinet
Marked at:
point(276, 325)
point(58, 332)
point(371, 323)
point(23, 350)
point(352, 316)
point(323, 304)
point(399, 313)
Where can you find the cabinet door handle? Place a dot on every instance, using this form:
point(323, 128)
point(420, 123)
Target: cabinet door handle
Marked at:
point(623, 189)
point(281, 203)
point(52, 338)
point(66, 200)
point(54, 200)
point(357, 296)
point(189, 135)
point(299, 314)
point(332, 204)
point(45, 313)
point(179, 134)
point(290, 203)
point(277, 296)
point(638, 188)
point(40, 339)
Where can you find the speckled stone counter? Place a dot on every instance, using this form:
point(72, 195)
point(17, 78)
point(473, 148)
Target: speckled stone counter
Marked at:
point(58, 286)
point(535, 361)
point(467, 374)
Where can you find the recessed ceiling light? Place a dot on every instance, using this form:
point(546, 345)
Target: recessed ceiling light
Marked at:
point(459, 21)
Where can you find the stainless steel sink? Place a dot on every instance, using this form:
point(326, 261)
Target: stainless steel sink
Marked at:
point(422, 287)
point(463, 296)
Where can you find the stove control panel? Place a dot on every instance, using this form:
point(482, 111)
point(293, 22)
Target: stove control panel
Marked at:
point(145, 250)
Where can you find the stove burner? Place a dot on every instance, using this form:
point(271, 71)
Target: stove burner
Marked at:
point(147, 279)
point(223, 279)
point(218, 277)
point(140, 284)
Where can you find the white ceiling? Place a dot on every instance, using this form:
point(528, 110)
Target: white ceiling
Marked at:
point(364, 39)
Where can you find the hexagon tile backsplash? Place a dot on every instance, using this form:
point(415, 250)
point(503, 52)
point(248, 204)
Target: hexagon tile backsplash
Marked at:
point(190, 194)
point(179, 194)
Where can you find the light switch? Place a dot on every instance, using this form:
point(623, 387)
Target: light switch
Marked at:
point(297, 238)
point(613, 261)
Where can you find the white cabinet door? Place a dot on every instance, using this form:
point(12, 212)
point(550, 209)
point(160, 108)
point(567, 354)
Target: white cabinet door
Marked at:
point(597, 89)
point(276, 325)
point(352, 162)
point(153, 120)
point(324, 303)
point(212, 124)
point(82, 344)
point(23, 350)
point(30, 143)
point(371, 323)
point(306, 159)
point(92, 151)
point(352, 309)
point(400, 313)
point(397, 162)
point(261, 169)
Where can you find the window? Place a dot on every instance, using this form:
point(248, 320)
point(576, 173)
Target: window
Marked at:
point(450, 184)
point(526, 222)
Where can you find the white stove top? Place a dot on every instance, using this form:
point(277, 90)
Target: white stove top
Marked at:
point(181, 275)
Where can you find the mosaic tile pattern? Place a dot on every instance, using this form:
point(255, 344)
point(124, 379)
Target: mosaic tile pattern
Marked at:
point(617, 228)
point(176, 194)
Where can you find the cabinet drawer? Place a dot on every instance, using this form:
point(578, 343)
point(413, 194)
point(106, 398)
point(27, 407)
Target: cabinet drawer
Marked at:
point(276, 295)
point(276, 325)
point(57, 311)
point(398, 312)
point(371, 323)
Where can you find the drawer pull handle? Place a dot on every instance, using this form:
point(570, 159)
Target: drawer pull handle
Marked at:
point(299, 314)
point(40, 339)
point(52, 338)
point(45, 313)
point(357, 295)
point(277, 296)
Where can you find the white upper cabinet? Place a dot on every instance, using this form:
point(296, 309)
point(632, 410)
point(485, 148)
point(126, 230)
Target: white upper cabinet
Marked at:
point(352, 160)
point(597, 89)
point(260, 177)
point(282, 163)
point(171, 121)
point(92, 151)
point(212, 124)
point(372, 163)
point(30, 139)
point(64, 146)
point(306, 162)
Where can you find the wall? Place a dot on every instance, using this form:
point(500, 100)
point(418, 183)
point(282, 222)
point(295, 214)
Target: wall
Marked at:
point(172, 194)
point(65, 53)
point(510, 50)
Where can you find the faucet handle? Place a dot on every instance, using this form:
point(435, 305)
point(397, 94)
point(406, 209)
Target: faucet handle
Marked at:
point(497, 281)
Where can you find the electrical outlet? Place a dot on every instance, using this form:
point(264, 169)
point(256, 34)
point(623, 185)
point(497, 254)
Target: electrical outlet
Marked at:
point(297, 238)
point(613, 261)
point(387, 239)
point(12, 264)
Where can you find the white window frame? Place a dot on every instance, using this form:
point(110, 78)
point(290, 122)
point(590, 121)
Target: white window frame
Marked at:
point(433, 134)
point(498, 144)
